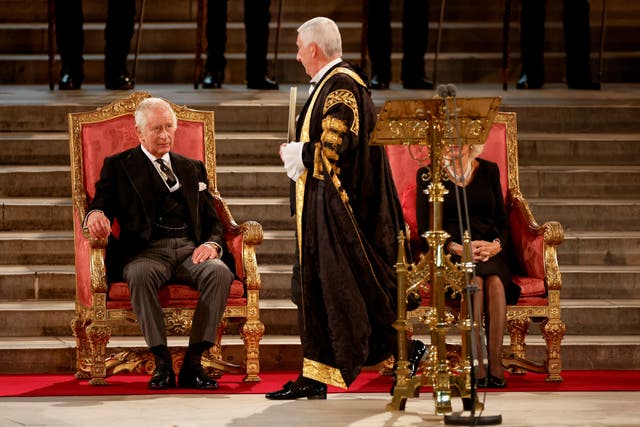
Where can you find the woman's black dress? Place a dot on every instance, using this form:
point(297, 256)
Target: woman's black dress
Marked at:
point(487, 217)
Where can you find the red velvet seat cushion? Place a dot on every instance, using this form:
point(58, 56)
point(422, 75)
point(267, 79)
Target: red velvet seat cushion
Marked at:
point(171, 295)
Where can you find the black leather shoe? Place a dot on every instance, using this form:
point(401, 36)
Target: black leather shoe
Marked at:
point(302, 387)
point(120, 82)
point(68, 82)
point(482, 382)
point(194, 376)
point(213, 80)
point(265, 84)
point(416, 353)
point(418, 84)
point(525, 83)
point(162, 378)
point(378, 83)
point(495, 382)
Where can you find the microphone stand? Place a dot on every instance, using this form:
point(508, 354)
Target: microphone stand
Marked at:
point(468, 269)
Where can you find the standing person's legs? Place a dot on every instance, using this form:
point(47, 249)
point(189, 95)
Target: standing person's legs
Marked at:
point(117, 36)
point(216, 30)
point(532, 21)
point(256, 25)
point(575, 20)
point(379, 42)
point(70, 41)
point(415, 36)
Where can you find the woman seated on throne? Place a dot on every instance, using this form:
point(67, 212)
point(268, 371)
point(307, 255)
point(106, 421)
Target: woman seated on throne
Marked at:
point(488, 226)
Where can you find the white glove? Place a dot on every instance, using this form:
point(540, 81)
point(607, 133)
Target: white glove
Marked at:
point(291, 155)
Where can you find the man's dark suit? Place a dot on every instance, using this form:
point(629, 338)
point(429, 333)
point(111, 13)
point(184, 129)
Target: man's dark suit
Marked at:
point(128, 191)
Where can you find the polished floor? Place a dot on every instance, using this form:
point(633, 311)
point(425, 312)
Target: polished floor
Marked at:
point(584, 409)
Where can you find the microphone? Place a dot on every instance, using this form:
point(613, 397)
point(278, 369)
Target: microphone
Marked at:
point(446, 91)
point(452, 90)
point(442, 91)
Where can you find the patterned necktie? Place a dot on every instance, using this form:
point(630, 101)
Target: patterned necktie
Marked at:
point(169, 177)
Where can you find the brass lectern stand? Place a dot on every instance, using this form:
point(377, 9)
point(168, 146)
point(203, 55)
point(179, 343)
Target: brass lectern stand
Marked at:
point(434, 124)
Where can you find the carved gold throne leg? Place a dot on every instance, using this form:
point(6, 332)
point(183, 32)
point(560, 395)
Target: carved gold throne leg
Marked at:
point(518, 327)
point(79, 326)
point(99, 335)
point(252, 331)
point(553, 331)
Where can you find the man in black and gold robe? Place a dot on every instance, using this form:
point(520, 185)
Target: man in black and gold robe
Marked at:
point(348, 217)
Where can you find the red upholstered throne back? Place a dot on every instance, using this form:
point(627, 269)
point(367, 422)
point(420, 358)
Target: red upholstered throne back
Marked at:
point(104, 138)
point(527, 253)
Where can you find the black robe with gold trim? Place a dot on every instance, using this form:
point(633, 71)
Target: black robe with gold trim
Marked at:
point(348, 218)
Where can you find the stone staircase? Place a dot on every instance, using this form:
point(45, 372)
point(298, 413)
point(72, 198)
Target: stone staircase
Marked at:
point(585, 176)
point(471, 44)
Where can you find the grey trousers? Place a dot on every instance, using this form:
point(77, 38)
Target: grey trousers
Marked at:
point(170, 259)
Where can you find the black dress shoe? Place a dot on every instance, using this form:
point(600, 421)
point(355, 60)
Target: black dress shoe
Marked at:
point(302, 387)
point(213, 80)
point(482, 382)
point(120, 82)
point(416, 353)
point(162, 378)
point(378, 83)
point(264, 83)
point(194, 376)
point(68, 82)
point(525, 83)
point(495, 382)
point(417, 84)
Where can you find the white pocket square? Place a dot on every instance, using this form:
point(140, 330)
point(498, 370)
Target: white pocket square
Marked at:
point(202, 186)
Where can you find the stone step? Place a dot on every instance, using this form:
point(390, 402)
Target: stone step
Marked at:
point(574, 181)
point(598, 281)
point(274, 213)
point(461, 67)
point(57, 282)
point(550, 149)
point(50, 318)
point(556, 181)
point(52, 148)
point(36, 248)
point(261, 148)
point(56, 354)
point(614, 110)
point(589, 214)
point(600, 248)
point(37, 282)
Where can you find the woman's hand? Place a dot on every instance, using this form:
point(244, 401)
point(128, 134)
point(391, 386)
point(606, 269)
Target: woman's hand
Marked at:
point(482, 250)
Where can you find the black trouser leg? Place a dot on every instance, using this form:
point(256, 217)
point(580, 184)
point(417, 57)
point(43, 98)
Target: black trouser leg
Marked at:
point(69, 36)
point(532, 40)
point(117, 36)
point(415, 36)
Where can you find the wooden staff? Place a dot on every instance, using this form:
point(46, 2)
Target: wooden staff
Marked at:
point(277, 41)
point(506, 28)
point(51, 27)
point(135, 56)
point(364, 34)
point(602, 32)
point(438, 38)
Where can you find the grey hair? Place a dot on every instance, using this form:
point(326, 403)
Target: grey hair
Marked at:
point(323, 32)
point(149, 104)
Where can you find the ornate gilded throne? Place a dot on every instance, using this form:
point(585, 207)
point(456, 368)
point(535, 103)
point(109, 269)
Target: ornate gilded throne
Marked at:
point(532, 246)
point(103, 309)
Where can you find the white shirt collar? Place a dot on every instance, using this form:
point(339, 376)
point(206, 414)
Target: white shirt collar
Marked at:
point(320, 74)
point(153, 158)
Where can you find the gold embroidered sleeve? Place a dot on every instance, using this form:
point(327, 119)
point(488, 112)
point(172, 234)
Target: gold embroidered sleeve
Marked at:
point(346, 97)
point(333, 131)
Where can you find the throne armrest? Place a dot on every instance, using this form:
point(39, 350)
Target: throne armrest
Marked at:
point(535, 245)
point(241, 240)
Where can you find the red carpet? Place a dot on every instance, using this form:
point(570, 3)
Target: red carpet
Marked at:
point(367, 382)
